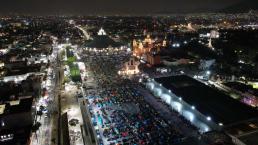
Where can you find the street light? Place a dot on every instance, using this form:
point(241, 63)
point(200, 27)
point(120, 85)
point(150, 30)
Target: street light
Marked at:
point(67, 39)
point(3, 124)
point(193, 107)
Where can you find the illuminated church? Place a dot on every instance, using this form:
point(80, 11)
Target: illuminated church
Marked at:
point(143, 47)
point(148, 49)
point(140, 48)
point(131, 67)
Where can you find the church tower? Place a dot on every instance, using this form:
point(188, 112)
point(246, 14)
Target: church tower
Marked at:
point(210, 43)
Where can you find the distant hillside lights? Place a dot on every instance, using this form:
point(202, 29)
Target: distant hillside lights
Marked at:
point(214, 34)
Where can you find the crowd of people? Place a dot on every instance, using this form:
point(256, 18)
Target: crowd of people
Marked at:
point(119, 112)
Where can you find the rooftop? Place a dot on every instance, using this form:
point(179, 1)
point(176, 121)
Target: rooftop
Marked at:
point(250, 139)
point(209, 101)
point(102, 41)
point(17, 106)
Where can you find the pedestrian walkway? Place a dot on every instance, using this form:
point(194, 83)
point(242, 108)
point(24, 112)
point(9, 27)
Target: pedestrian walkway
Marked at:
point(71, 106)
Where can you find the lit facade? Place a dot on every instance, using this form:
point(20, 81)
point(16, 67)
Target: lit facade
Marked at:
point(141, 48)
point(203, 123)
point(130, 67)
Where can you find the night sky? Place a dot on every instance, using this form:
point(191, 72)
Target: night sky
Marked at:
point(113, 6)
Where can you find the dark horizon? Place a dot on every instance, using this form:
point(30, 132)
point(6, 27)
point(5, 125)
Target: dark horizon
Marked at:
point(128, 7)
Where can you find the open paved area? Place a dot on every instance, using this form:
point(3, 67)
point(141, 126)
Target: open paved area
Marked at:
point(122, 113)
